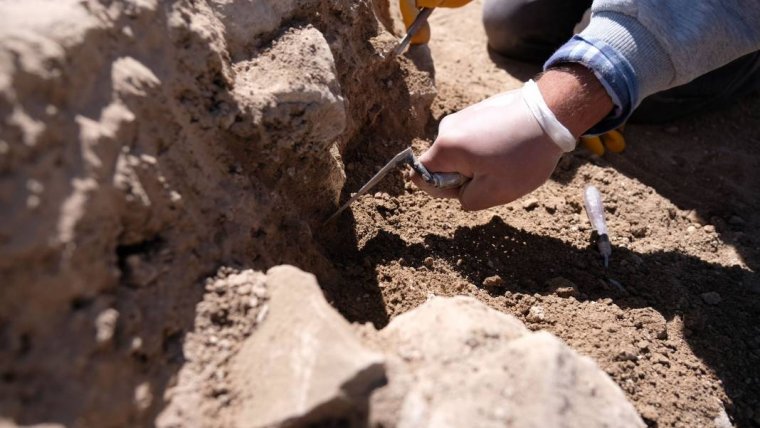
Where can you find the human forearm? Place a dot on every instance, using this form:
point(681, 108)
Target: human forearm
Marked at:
point(575, 96)
point(639, 48)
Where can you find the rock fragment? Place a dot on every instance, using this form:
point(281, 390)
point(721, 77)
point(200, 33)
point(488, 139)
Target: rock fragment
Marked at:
point(105, 326)
point(563, 287)
point(493, 281)
point(474, 366)
point(303, 364)
point(639, 231)
point(530, 204)
point(536, 314)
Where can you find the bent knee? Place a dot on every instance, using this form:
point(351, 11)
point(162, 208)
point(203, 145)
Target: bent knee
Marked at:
point(503, 29)
point(527, 29)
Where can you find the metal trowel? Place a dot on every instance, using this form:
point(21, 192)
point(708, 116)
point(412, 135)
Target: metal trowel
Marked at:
point(440, 180)
point(419, 21)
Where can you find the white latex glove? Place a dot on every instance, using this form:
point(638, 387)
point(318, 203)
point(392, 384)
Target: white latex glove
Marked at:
point(508, 144)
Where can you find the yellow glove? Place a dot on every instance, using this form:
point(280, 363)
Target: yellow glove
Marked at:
point(410, 8)
point(612, 141)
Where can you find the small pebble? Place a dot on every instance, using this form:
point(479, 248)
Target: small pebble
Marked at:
point(428, 262)
point(711, 298)
point(695, 218)
point(690, 229)
point(136, 344)
point(709, 228)
point(530, 204)
point(105, 325)
point(493, 281)
point(627, 355)
point(536, 314)
point(649, 413)
point(143, 396)
point(563, 287)
point(661, 359)
point(639, 231)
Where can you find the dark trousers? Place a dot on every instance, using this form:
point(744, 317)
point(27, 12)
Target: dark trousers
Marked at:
point(531, 30)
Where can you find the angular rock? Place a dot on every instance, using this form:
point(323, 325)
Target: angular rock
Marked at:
point(529, 204)
point(563, 287)
point(304, 364)
point(296, 77)
point(493, 281)
point(457, 362)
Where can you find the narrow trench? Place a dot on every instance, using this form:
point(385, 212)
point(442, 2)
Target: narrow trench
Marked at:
point(355, 290)
point(355, 286)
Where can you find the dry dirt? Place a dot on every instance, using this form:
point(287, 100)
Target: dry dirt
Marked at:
point(682, 207)
point(151, 151)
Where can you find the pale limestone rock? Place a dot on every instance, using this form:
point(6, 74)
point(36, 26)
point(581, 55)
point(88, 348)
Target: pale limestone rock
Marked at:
point(456, 362)
point(295, 77)
point(247, 20)
point(304, 362)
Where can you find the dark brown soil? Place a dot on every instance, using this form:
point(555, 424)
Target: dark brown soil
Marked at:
point(682, 207)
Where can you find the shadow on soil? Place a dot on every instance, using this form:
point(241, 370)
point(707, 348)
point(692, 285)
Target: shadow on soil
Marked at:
point(707, 164)
point(668, 282)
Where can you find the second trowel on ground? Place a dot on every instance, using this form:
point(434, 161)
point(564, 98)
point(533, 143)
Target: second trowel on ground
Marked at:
point(440, 180)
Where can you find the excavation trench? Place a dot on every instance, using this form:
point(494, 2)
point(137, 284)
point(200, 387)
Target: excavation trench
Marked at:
point(151, 151)
point(156, 156)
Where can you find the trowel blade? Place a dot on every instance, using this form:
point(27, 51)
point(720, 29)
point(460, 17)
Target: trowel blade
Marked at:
point(419, 21)
point(405, 157)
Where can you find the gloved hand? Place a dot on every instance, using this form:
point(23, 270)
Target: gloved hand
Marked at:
point(612, 141)
point(508, 144)
point(410, 8)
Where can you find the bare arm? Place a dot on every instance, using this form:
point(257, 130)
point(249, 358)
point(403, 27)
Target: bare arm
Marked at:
point(575, 96)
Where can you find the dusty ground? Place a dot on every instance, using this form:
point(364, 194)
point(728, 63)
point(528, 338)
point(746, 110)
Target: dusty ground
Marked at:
point(152, 152)
point(682, 209)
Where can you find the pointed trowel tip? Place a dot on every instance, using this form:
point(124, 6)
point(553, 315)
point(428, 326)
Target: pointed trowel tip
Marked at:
point(333, 216)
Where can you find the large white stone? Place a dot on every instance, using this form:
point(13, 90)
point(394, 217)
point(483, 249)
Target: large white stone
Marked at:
point(304, 362)
point(455, 362)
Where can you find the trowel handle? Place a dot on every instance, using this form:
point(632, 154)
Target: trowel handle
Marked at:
point(448, 180)
point(440, 180)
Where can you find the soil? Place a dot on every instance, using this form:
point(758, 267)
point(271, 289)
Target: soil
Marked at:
point(673, 319)
point(155, 155)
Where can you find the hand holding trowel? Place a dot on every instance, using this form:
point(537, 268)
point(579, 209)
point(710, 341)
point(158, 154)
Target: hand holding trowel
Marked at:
point(445, 180)
point(439, 180)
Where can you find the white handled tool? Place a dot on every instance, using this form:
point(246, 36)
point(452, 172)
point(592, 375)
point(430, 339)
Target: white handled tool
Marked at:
point(595, 211)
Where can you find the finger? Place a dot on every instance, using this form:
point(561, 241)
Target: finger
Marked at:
point(442, 157)
point(478, 194)
point(432, 190)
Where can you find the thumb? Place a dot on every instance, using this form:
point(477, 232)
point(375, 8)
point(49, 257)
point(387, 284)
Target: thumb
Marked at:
point(444, 157)
point(472, 195)
point(434, 161)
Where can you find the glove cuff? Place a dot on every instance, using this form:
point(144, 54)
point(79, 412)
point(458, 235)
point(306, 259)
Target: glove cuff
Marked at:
point(545, 118)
